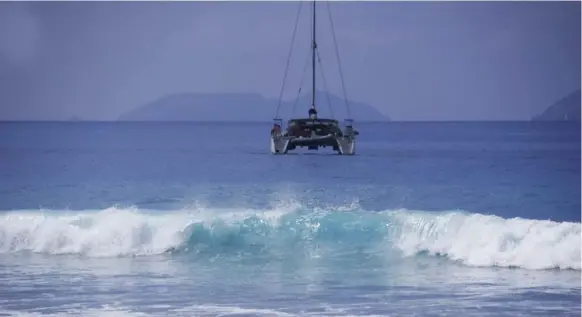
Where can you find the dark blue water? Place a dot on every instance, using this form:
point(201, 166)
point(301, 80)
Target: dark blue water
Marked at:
point(192, 219)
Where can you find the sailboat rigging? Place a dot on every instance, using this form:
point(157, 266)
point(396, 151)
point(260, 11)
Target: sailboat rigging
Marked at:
point(313, 132)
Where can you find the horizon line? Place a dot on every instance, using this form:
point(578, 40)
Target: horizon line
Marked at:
point(270, 121)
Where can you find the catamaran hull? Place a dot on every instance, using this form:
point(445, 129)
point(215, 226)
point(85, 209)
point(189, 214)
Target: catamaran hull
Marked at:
point(343, 145)
point(346, 146)
point(279, 145)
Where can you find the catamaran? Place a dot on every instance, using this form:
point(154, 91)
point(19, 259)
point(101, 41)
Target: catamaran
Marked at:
point(312, 131)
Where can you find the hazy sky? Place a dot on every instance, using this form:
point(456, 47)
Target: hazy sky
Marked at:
point(411, 60)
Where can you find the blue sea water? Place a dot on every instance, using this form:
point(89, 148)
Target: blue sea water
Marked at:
point(198, 219)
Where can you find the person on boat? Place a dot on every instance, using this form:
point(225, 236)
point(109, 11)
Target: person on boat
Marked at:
point(312, 112)
point(275, 129)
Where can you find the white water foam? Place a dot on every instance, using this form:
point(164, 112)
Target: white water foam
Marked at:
point(107, 233)
point(472, 239)
point(199, 310)
point(87, 312)
point(483, 240)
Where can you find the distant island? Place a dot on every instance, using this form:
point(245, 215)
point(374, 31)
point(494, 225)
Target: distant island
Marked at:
point(245, 107)
point(565, 109)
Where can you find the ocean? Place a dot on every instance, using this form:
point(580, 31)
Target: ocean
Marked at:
point(199, 219)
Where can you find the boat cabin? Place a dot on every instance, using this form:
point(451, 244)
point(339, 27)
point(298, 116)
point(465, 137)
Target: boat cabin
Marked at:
point(304, 126)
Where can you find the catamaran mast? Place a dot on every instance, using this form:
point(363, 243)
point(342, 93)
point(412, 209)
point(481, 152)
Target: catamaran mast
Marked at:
point(314, 48)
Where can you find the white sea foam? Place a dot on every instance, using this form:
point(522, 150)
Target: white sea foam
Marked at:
point(111, 232)
point(198, 310)
point(472, 239)
point(482, 240)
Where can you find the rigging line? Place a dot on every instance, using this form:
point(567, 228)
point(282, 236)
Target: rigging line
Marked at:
point(288, 58)
point(338, 60)
point(301, 82)
point(324, 83)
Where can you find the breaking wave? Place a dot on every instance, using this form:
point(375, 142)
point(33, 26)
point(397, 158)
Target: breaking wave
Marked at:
point(471, 239)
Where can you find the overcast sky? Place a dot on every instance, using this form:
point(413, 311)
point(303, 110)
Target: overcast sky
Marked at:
point(411, 60)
